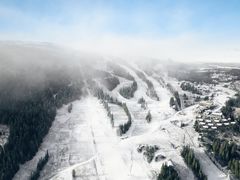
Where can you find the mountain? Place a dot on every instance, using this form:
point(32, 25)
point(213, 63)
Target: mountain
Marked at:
point(70, 115)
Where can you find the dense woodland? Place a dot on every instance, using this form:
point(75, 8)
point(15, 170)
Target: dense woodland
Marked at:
point(234, 166)
point(188, 155)
point(175, 101)
point(231, 104)
point(128, 91)
point(186, 86)
point(29, 112)
point(168, 173)
point(224, 151)
point(229, 112)
point(227, 154)
point(192, 75)
point(106, 98)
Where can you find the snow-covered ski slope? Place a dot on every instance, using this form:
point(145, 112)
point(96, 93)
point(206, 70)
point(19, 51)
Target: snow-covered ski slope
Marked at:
point(84, 140)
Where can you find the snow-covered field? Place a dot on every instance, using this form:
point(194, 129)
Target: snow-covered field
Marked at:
point(85, 142)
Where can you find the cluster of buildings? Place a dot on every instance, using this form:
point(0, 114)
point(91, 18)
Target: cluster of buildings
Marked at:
point(223, 77)
point(209, 119)
point(214, 121)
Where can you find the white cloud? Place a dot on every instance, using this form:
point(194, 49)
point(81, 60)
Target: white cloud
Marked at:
point(89, 33)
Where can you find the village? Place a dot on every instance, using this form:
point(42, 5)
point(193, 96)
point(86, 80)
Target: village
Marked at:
point(210, 120)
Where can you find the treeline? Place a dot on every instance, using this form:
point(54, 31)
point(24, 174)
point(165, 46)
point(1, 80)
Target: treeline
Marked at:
point(227, 154)
point(177, 98)
point(151, 91)
point(100, 94)
point(229, 112)
point(168, 173)
point(188, 155)
point(106, 98)
point(224, 151)
point(234, 166)
point(125, 127)
point(186, 86)
point(183, 74)
point(30, 116)
point(229, 108)
point(109, 113)
point(41, 163)
point(128, 92)
point(175, 101)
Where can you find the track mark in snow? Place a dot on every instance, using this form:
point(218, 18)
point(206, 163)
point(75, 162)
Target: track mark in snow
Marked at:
point(107, 158)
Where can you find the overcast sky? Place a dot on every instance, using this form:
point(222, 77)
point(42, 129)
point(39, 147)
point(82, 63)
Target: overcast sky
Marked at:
point(193, 30)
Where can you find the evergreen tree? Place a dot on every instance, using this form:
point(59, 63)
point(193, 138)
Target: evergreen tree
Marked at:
point(30, 117)
point(168, 173)
point(149, 117)
point(188, 155)
point(41, 163)
point(70, 108)
point(172, 101)
point(128, 92)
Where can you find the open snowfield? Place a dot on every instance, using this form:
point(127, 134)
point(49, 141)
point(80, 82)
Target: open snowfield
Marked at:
point(85, 142)
point(119, 114)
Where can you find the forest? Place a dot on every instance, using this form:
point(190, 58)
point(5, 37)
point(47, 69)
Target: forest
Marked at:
point(168, 173)
point(29, 112)
point(231, 104)
point(227, 154)
point(188, 155)
point(186, 86)
point(106, 98)
point(128, 91)
point(175, 101)
point(224, 151)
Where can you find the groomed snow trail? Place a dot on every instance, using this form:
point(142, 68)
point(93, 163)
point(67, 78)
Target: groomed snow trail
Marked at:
point(82, 140)
point(106, 155)
point(105, 141)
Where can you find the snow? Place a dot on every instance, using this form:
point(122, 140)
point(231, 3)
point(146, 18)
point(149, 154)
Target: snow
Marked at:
point(119, 114)
point(84, 140)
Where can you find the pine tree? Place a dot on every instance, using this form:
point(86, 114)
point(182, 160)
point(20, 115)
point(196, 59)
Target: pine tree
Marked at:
point(168, 173)
point(188, 155)
point(172, 102)
point(149, 117)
